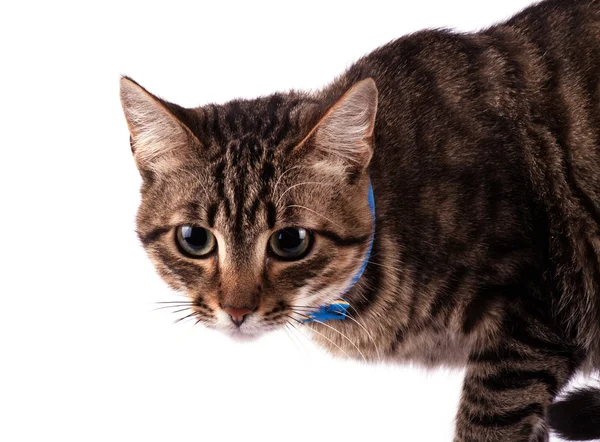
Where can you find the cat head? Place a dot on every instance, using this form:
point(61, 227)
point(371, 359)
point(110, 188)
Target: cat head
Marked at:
point(256, 209)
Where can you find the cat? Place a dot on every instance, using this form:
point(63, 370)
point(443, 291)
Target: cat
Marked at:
point(438, 202)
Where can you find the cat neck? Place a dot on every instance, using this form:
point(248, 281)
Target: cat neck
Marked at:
point(337, 309)
point(360, 271)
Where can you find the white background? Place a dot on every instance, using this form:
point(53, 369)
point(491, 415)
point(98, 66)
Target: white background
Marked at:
point(83, 355)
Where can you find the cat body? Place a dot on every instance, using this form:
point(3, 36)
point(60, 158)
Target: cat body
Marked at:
point(483, 153)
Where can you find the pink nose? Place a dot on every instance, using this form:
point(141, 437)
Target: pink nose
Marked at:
point(237, 314)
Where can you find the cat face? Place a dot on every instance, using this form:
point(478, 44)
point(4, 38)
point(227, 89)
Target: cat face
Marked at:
point(258, 209)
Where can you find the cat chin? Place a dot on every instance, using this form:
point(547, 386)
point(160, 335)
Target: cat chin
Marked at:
point(243, 336)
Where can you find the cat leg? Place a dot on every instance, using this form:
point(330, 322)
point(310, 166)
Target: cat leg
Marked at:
point(507, 391)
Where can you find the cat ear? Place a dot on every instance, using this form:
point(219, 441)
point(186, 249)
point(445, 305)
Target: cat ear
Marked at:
point(344, 135)
point(159, 141)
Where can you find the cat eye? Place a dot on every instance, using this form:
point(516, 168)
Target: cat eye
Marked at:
point(291, 243)
point(195, 242)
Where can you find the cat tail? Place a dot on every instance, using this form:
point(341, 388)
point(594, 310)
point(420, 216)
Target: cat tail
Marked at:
point(577, 415)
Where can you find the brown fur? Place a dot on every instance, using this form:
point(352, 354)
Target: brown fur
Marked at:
point(483, 151)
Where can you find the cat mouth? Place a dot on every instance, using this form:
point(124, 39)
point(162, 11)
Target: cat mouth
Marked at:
point(241, 335)
point(252, 331)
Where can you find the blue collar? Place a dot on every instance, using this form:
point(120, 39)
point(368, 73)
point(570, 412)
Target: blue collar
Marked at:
point(337, 309)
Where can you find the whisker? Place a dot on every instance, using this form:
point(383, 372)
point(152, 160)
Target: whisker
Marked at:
point(174, 302)
point(205, 191)
point(286, 331)
point(198, 180)
point(185, 317)
point(349, 316)
point(288, 325)
point(308, 309)
point(337, 331)
point(299, 330)
point(299, 184)
point(170, 306)
point(211, 326)
point(316, 213)
point(282, 175)
point(325, 337)
point(344, 336)
point(305, 308)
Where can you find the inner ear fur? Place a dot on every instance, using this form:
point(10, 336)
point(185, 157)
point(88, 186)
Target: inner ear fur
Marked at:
point(343, 138)
point(159, 140)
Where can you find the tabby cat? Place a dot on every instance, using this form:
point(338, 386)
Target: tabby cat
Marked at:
point(481, 243)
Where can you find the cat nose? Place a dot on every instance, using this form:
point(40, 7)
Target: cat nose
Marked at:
point(237, 314)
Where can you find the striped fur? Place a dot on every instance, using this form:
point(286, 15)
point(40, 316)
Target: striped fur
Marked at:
point(483, 150)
